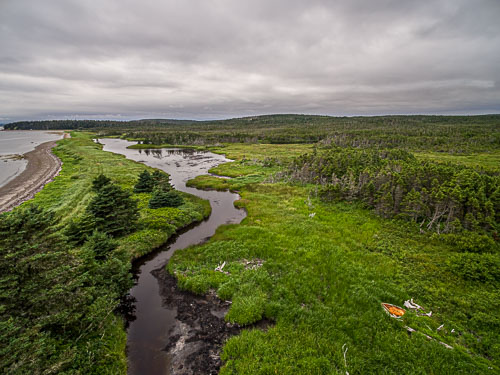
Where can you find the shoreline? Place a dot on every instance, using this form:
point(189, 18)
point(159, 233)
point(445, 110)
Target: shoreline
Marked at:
point(42, 167)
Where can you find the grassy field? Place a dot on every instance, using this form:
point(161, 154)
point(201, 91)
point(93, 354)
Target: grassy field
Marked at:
point(71, 191)
point(319, 271)
point(260, 151)
point(99, 344)
point(489, 160)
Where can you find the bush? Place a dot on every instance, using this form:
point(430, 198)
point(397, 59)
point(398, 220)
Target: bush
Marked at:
point(100, 244)
point(476, 267)
point(40, 295)
point(471, 242)
point(162, 198)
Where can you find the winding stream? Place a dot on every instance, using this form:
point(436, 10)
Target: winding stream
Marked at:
point(148, 333)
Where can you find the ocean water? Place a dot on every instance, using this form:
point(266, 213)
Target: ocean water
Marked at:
point(15, 143)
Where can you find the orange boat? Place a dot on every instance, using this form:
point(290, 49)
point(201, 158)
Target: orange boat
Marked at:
point(393, 310)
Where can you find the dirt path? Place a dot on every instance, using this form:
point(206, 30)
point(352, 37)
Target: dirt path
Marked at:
point(42, 167)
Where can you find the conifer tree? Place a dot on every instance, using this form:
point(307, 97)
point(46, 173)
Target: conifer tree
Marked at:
point(113, 210)
point(100, 181)
point(161, 180)
point(145, 183)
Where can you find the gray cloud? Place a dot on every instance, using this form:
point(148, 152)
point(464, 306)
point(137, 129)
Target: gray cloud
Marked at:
point(222, 58)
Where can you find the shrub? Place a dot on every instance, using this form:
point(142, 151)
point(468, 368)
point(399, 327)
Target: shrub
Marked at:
point(476, 267)
point(100, 244)
point(162, 198)
point(471, 242)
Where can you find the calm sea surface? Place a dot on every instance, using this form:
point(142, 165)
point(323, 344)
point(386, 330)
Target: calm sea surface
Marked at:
point(15, 143)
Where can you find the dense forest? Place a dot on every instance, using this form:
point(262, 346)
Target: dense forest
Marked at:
point(455, 134)
point(441, 197)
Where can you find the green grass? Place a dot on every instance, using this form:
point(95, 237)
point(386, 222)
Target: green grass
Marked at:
point(242, 172)
point(322, 281)
point(69, 194)
point(241, 168)
point(260, 151)
point(488, 161)
point(161, 223)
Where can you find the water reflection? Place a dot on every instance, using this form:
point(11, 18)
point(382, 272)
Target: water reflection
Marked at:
point(151, 321)
point(159, 152)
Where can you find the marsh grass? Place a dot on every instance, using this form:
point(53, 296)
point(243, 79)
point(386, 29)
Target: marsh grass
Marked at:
point(489, 161)
point(322, 281)
point(261, 151)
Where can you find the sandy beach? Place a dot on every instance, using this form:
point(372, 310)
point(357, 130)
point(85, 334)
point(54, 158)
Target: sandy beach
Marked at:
point(42, 167)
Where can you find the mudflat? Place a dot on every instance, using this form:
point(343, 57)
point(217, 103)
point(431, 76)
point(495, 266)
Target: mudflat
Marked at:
point(42, 167)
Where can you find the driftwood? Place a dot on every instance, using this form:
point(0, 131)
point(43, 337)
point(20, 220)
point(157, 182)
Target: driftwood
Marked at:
point(220, 267)
point(344, 351)
point(410, 304)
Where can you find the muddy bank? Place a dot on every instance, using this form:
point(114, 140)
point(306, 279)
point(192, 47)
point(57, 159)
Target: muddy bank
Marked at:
point(195, 341)
point(42, 167)
point(160, 316)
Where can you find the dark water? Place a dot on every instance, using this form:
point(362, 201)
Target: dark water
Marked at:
point(148, 333)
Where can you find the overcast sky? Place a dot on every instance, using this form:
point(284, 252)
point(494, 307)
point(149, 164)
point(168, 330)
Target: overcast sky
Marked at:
point(206, 59)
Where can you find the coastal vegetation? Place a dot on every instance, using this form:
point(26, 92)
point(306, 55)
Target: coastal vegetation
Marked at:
point(319, 270)
point(66, 259)
point(441, 197)
point(343, 214)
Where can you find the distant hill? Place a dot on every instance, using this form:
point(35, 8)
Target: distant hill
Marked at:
point(90, 124)
point(454, 134)
point(271, 121)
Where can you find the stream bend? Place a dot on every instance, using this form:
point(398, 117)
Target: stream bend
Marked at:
point(148, 332)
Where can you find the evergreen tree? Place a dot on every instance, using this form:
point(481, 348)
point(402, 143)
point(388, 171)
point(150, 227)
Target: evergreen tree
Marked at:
point(100, 181)
point(145, 183)
point(113, 210)
point(162, 198)
point(161, 180)
point(100, 244)
point(79, 229)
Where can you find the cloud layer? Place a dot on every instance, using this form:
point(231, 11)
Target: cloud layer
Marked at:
point(221, 58)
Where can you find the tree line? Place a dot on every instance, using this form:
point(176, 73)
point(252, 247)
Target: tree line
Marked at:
point(453, 134)
point(443, 198)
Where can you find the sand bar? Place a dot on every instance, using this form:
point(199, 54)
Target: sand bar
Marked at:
point(42, 167)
